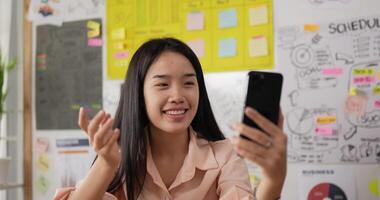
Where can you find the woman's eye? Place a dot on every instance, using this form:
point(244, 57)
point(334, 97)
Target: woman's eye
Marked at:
point(189, 83)
point(162, 84)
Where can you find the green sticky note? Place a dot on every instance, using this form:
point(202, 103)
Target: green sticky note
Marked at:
point(42, 184)
point(373, 187)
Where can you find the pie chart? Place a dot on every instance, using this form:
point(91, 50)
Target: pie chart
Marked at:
point(326, 191)
point(300, 121)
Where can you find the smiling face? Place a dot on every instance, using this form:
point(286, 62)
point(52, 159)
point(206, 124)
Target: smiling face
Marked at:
point(171, 93)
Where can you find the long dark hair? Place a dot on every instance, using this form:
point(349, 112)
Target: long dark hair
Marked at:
point(131, 117)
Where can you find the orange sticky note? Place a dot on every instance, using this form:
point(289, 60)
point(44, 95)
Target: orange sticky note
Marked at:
point(311, 27)
point(93, 33)
point(258, 46)
point(120, 45)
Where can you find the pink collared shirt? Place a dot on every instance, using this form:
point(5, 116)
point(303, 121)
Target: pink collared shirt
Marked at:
point(211, 170)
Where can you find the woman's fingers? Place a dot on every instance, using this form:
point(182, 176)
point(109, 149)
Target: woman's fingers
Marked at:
point(103, 135)
point(83, 119)
point(280, 122)
point(250, 146)
point(94, 124)
point(253, 134)
point(262, 122)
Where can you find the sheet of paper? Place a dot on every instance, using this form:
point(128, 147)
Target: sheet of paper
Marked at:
point(228, 18)
point(198, 46)
point(195, 21)
point(227, 47)
point(258, 15)
point(258, 46)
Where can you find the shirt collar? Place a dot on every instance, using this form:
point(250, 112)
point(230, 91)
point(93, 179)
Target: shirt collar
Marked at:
point(200, 155)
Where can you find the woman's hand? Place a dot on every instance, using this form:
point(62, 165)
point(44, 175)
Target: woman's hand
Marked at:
point(267, 149)
point(103, 139)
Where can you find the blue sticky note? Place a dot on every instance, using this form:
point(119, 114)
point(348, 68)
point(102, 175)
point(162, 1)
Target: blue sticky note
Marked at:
point(227, 47)
point(227, 18)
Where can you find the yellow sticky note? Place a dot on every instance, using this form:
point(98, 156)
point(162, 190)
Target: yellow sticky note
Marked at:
point(93, 25)
point(118, 34)
point(258, 46)
point(352, 91)
point(326, 120)
point(120, 45)
point(376, 90)
point(311, 27)
point(378, 76)
point(258, 15)
point(43, 163)
point(373, 187)
point(93, 33)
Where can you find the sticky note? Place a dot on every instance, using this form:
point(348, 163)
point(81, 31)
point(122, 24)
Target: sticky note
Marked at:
point(311, 27)
point(376, 90)
point(228, 18)
point(195, 21)
point(43, 163)
point(378, 76)
point(121, 54)
point(118, 34)
point(258, 46)
point(377, 104)
point(373, 187)
point(352, 91)
point(198, 46)
point(93, 33)
point(95, 42)
point(258, 15)
point(368, 71)
point(227, 47)
point(42, 184)
point(93, 25)
point(42, 145)
point(323, 131)
point(332, 71)
point(120, 45)
point(326, 120)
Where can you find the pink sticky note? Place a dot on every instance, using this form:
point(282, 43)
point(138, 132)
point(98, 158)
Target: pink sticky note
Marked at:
point(121, 54)
point(95, 42)
point(198, 46)
point(332, 71)
point(377, 104)
point(42, 145)
point(363, 79)
point(195, 21)
point(323, 131)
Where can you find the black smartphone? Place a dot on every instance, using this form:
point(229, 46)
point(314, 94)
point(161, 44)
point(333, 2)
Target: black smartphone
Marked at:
point(264, 94)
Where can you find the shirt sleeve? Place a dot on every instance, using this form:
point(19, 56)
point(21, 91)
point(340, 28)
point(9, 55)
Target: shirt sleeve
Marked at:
point(234, 183)
point(65, 193)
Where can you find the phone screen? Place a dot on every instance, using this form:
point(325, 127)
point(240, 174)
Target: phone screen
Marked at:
point(264, 93)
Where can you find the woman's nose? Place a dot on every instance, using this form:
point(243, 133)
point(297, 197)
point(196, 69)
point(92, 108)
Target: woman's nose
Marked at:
point(176, 96)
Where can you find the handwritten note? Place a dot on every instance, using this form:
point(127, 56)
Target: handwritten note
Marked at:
point(228, 18)
point(93, 33)
point(258, 15)
point(195, 21)
point(42, 145)
point(121, 54)
point(326, 120)
point(93, 25)
point(42, 184)
point(120, 45)
point(198, 46)
point(258, 46)
point(324, 131)
point(227, 47)
point(118, 34)
point(43, 163)
point(311, 27)
point(95, 42)
point(332, 71)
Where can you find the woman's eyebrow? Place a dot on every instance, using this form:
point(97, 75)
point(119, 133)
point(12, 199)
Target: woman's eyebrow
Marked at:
point(189, 75)
point(161, 76)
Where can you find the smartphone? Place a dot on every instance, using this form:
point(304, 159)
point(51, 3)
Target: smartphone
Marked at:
point(263, 94)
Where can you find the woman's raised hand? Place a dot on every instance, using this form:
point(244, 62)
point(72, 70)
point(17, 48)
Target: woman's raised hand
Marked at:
point(102, 137)
point(266, 148)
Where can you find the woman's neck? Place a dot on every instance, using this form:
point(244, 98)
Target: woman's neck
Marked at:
point(168, 144)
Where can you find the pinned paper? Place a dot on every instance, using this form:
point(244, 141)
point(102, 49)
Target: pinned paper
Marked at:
point(195, 21)
point(374, 186)
point(258, 15)
point(311, 27)
point(93, 33)
point(376, 90)
point(42, 184)
point(43, 163)
point(198, 46)
point(93, 25)
point(118, 34)
point(227, 47)
point(332, 71)
point(377, 104)
point(95, 42)
point(228, 18)
point(326, 120)
point(121, 55)
point(120, 45)
point(258, 46)
point(367, 71)
point(324, 131)
point(352, 91)
point(42, 145)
